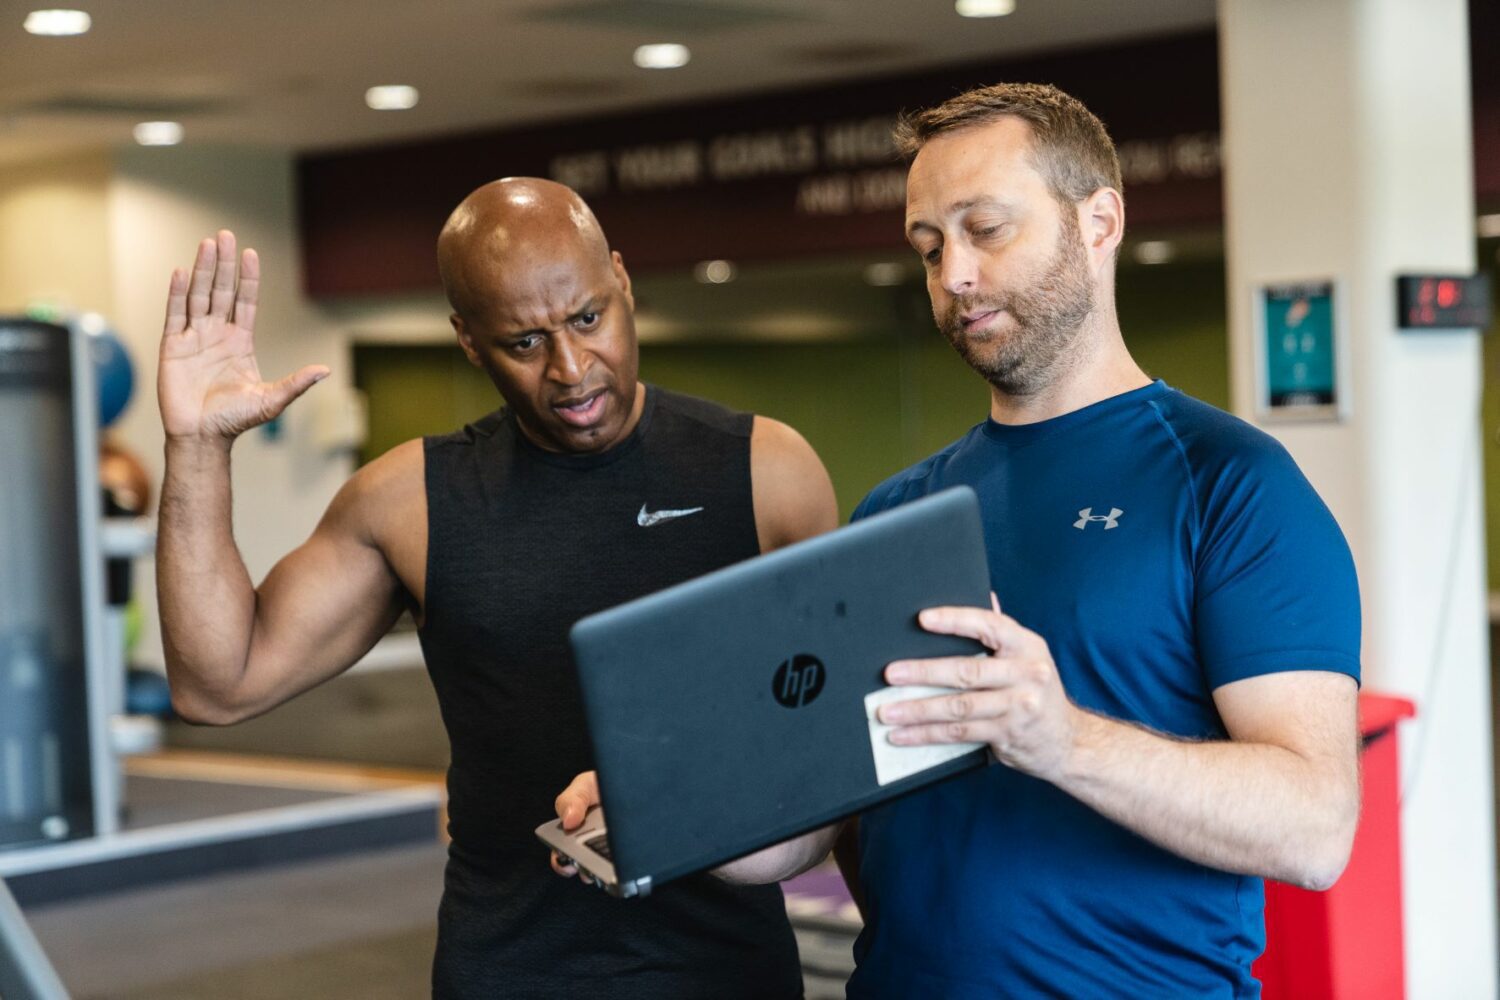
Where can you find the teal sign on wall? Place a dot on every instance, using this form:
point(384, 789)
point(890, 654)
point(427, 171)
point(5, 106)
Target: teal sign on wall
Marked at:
point(1299, 341)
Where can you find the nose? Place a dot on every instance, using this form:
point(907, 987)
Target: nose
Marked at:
point(959, 271)
point(566, 363)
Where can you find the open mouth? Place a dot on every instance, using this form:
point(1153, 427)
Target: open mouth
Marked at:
point(583, 411)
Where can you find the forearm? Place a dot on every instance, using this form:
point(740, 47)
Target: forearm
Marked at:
point(1254, 808)
point(205, 594)
point(780, 861)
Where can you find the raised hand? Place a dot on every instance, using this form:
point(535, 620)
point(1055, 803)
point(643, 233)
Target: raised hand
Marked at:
point(208, 383)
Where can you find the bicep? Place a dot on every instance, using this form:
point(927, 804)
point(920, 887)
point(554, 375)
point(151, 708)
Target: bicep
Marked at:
point(794, 497)
point(320, 608)
point(1312, 713)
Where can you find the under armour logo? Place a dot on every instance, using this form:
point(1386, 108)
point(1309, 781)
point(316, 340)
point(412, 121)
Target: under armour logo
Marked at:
point(1112, 520)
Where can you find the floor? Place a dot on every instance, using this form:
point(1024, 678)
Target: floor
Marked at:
point(345, 928)
point(353, 927)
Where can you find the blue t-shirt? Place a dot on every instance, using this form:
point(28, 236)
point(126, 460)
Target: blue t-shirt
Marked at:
point(1162, 548)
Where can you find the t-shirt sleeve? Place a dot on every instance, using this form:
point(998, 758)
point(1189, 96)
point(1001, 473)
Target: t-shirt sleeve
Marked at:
point(1275, 587)
point(882, 497)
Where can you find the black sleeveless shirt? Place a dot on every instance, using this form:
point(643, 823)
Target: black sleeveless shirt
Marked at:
point(523, 542)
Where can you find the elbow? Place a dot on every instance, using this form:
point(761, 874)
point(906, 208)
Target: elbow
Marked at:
point(1323, 858)
point(1320, 875)
point(198, 708)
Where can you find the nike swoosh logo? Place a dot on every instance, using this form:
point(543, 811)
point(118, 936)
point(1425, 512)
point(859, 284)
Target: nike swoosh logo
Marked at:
point(646, 520)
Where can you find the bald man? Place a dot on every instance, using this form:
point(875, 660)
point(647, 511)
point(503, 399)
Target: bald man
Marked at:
point(497, 538)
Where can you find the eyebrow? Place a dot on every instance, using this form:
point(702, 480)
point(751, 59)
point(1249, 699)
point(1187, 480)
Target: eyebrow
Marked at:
point(958, 207)
point(594, 303)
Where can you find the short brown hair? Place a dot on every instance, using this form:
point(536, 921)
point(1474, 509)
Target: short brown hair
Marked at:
point(1070, 147)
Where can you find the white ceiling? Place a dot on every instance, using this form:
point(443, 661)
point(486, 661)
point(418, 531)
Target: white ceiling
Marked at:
point(292, 73)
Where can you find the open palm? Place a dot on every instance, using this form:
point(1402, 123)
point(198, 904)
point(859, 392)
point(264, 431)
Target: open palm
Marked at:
point(208, 382)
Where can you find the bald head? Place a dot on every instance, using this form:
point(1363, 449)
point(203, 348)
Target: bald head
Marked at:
point(512, 228)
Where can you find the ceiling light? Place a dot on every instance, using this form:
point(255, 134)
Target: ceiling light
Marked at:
point(58, 22)
point(158, 133)
point(984, 8)
point(668, 55)
point(393, 97)
point(1154, 252)
point(1487, 225)
point(885, 274)
point(714, 272)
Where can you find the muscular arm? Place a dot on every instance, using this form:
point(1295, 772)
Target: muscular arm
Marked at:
point(1279, 798)
point(234, 650)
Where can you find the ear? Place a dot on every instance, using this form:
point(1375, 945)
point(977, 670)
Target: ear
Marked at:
point(617, 264)
point(1103, 223)
point(465, 339)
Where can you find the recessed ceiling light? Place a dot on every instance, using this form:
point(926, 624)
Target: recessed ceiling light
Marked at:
point(58, 22)
point(714, 272)
point(158, 133)
point(1487, 225)
point(984, 8)
point(392, 97)
point(667, 55)
point(1154, 252)
point(885, 274)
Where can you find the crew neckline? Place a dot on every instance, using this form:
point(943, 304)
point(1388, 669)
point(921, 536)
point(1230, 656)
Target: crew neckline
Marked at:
point(593, 460)
point(1017, 435)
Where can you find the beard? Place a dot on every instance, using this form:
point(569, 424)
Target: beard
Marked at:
point(1047, 316)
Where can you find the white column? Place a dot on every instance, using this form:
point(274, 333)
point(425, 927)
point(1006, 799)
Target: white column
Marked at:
point(1348, 155)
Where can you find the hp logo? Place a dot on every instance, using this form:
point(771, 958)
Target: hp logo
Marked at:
point(798, 680)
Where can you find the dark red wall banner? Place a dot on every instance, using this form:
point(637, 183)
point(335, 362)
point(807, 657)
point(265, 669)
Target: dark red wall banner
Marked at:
point(780, 175)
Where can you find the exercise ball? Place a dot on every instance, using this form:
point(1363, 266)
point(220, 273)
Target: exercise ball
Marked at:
point(113, 373)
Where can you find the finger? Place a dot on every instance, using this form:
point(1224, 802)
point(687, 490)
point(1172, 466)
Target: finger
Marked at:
point(996, 630)
point(960, 707)
point(574, 802)
point(176, 304)
point(955, 672)
point(995, 602)
point(226, 273)
point(941, 732)
point(280, 394)
point(248, 295)
point(203, 278)
point(563, 866)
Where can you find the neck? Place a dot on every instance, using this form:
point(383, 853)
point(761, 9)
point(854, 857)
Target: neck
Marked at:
point(1103, 368)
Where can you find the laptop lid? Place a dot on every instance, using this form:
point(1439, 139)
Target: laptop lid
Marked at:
point(728, 713)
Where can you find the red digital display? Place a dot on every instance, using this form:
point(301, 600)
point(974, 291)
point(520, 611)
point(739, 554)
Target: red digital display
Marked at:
point(1443, 302)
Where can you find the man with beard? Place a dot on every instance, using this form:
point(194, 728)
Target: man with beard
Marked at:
point(1170, 690)
point(497, 538)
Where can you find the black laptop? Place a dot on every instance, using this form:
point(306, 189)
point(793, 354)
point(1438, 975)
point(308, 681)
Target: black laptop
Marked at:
point(733, 711)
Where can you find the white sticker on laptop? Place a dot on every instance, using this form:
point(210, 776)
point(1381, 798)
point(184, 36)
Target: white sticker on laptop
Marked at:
point(892, 763)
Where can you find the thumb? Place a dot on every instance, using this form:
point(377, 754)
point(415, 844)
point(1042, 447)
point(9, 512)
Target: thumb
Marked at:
point(573, 804)
point(280, 393)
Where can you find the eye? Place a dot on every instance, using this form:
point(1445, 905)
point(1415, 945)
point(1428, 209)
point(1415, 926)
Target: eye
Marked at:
point(933, 255)
point(525, 343)
point(587, 320)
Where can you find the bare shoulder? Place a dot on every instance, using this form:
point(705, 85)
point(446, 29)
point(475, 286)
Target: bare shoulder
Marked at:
point(387, 491)
point(794, 497)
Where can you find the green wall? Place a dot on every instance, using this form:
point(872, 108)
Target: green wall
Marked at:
point(870, 407)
